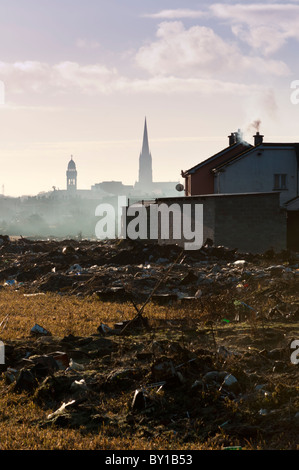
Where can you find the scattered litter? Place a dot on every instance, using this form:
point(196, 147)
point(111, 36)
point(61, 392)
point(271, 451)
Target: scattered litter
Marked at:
point(10, 282)
point(232, 448)
point(75, 365)
point(62, 409)
point(239, 262)
point(39, 330)
point(79, 385)
point(183, 387)
point(104, 329)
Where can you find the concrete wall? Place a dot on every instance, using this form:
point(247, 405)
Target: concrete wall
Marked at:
point(253, 223)
point(249, 222)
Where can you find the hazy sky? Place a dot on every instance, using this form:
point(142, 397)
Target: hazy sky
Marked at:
point(80, 77)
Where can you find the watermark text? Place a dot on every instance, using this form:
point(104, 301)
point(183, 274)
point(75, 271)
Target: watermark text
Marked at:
point(174, 222)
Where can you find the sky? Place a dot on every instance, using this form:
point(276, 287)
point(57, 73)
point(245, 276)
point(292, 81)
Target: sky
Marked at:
point(79, 77)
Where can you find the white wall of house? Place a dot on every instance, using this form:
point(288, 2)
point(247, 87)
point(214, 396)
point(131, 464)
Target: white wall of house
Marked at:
point(255, 173)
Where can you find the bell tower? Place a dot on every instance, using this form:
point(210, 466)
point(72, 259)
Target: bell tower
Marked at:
point(71, 176)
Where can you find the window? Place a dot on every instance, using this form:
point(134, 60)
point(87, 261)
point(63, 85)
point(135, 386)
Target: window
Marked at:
point(280, 181)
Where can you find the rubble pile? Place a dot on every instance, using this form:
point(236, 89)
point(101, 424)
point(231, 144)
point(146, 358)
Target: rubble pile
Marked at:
point(189, 389)
point(125, 270)
point(217, 379)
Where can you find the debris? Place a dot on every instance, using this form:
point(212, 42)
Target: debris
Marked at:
point(232, 448)
point(239, 262)
point(10, 282)
point(139, 401)
point(79, 385)
point(224, 352)
point(61, 358)
point(39, 330)
point(104, 329)
point(25, 381)
point(46, 364)
point(64, 407)
point(163, 369)
point(11, 374)
point(175, 377)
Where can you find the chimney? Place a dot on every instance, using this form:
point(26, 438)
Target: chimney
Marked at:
point(235, 137)
point(258, 139)
point(232, 138)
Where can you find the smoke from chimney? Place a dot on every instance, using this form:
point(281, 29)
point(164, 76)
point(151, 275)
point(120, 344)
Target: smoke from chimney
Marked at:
point(235, 137)
point(254, 126)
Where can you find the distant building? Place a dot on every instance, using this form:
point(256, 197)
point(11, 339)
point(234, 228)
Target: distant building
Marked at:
point(113, 187)
point(71, 176)
point(145, 180)
point(145, 184)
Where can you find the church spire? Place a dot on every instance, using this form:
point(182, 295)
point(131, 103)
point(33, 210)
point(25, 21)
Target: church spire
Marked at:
point(145, 162)
point(145, 146)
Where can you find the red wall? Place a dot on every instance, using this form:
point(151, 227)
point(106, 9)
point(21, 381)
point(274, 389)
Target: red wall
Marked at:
point(202, 180)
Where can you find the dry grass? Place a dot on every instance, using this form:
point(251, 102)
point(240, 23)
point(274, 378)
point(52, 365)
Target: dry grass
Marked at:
point(20, 417)
point(63, 315)
point(22, 420)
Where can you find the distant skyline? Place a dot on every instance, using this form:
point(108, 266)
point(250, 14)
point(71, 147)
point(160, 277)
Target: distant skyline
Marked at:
point(81, 76)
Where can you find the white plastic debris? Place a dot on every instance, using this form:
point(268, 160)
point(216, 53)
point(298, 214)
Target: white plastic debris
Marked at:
point(239, 262)
point(75, 366)
point(79, 385)
point(61, 409)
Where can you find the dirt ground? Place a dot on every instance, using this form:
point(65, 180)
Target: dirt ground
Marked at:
point(217, 369)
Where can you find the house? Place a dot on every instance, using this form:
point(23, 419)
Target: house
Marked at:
point(200, 178)
point(262, 168)
point(244, 168)
point(241, 168)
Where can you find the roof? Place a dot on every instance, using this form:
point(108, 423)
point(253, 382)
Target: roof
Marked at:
point(261, 146)
point(71, 165)
point(241, 144)
point(187, 199)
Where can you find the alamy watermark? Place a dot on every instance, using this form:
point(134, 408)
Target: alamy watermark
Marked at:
point(294, 97)
point(295, 354)
point(2, 353)
point(176, 222)
point(2, 93)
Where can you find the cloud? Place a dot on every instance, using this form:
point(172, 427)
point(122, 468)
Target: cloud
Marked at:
point(64, 77)
point(200, 52)
point(176, 13)
point(87, 44)
point(264, 27)
point(172, 84)
point(70, 78)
